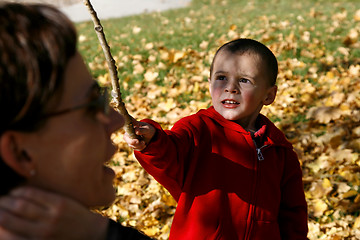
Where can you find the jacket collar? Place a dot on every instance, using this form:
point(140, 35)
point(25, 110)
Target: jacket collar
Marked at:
point(268, 132)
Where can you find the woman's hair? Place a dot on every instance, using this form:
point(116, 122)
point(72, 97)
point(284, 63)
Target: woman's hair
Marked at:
point(36, 43)
point(245, 45)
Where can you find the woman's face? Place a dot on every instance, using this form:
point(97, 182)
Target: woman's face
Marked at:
point(69, 154)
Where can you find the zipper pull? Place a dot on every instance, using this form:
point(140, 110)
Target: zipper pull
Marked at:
point(259, 154)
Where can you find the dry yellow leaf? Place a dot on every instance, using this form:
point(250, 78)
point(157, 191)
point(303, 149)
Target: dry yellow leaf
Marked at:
point(149, 46)
point(196, 87)
point(354, 71)
point(168, 105)
point(164, 55)
point(357, 223)
point(233, 27)
point(104, 79)
point(169, 200)
point(177, 56)
point(151, 231)
point(324, 114)
point(357, 15)
point(204, 45)
point(82, 38)
point(349, 194)
point(326, 183)
point(138, 68)
point(319, 207)
point(136, 30)
point(150, 76)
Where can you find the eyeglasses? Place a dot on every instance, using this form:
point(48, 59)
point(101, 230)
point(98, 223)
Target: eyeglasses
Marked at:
point(99, 104)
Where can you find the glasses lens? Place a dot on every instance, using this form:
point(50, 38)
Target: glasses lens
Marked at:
point(105, 101)
point(100, 102)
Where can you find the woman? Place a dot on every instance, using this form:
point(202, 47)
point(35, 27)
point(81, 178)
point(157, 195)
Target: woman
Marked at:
point(54, 130)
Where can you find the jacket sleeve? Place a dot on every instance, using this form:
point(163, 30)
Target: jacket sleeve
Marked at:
point(164, 157)
point(293, 207)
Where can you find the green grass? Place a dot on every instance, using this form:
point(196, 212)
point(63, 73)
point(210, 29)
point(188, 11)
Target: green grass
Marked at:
point(188, 27)
point(271, 22)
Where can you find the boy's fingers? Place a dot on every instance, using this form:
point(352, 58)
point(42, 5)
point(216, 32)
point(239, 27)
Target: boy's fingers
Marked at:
point(144, 129)
point(134, 143)
point(129, 140)
point(141, 125)
point(136, 123)
point(140, 146)
point(139, 131)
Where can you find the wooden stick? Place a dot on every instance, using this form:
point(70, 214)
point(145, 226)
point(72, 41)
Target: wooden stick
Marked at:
point(116, 93)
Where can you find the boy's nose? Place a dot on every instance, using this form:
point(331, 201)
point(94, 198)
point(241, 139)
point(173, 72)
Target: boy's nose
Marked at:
point(232, 88)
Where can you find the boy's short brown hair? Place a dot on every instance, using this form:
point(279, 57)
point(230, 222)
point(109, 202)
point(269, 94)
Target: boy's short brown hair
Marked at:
point(245, 45)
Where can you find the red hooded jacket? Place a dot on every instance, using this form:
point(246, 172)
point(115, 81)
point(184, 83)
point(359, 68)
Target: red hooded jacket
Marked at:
point(227, 187)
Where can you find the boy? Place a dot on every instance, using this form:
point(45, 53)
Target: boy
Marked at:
point(232, 172)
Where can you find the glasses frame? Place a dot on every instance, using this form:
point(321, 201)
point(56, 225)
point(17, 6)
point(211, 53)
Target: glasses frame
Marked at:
point(101, 103)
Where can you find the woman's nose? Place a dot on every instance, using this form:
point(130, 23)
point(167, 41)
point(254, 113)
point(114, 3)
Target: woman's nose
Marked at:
point(117, 120)
point(113, 120)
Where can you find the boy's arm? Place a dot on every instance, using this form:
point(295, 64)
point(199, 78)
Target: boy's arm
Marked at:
point(293, 206)
point(165, 156)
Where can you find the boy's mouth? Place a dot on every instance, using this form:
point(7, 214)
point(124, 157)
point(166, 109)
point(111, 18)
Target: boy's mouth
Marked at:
point(227, 101)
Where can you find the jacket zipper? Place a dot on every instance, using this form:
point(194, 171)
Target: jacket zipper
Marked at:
point(260, 157)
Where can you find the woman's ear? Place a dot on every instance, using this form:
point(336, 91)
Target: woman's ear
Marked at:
point(271, 94)
point(14, 155)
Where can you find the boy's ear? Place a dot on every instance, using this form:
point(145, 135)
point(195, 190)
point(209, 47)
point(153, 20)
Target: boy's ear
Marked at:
point(13, 154)
point(271, 94)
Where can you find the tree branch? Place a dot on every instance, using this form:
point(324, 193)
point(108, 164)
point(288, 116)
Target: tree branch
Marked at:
point(116, 93)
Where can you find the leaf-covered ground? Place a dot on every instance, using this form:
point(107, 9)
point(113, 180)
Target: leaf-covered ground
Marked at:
point(164, 60)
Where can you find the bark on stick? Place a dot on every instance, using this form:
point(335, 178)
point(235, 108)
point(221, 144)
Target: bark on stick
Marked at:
point(116, 92)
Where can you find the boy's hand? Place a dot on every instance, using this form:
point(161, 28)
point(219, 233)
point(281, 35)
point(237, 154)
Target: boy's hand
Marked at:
point(145, 130)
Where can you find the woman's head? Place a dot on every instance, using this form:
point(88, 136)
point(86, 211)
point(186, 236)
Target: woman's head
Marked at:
point(36, 43)
point(55, 133)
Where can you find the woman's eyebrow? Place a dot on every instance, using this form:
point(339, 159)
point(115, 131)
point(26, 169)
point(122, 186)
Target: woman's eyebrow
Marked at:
point(91, 92)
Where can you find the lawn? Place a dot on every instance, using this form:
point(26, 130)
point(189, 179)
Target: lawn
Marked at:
point(163, 61)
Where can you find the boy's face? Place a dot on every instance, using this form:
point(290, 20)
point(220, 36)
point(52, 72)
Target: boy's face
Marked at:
point(239, 87)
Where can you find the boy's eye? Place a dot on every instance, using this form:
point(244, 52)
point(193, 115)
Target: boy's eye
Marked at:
point(244, 80)
point(220, 78)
